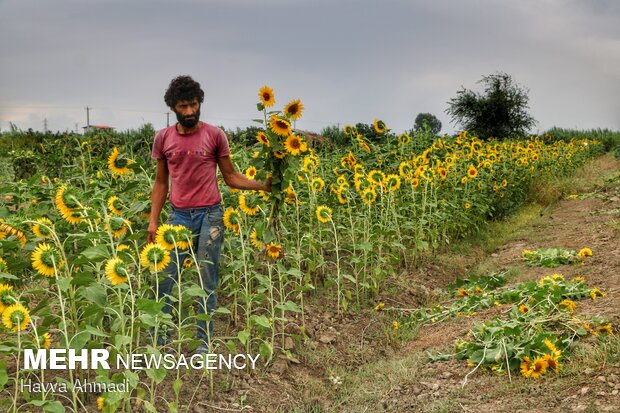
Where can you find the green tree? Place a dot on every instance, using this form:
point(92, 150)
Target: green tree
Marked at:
point(429, 120)
point(500, 112)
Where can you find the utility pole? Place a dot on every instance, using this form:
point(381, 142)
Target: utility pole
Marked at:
point(44, 125)
point(88, 116)
point(167, 119)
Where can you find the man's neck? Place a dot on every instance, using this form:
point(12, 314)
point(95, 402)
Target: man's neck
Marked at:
point(182, 130)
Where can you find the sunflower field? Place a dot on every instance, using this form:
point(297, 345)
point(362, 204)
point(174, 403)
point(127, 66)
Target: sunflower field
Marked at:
point(76, 272)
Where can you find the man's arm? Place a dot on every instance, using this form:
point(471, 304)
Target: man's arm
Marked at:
point(237, 180)
point(158, 198)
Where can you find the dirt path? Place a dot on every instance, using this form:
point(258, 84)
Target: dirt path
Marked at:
point(591, 380)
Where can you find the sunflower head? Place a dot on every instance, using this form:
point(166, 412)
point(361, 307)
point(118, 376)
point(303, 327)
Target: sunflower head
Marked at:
point(376, 177)
point(324, 213)
point(232, 220)
point(118, 164)
point(266, 96)
point(46, 259)
point(403, 139)
point(293, 109)
point(45, 340)
point(279, 126)
point(391, 182)
point(262, 138)
point(116, 271)
point(350, 130)
point(154, 257)
point(115, 205)
point(250, 173)
point(245, 204)
point(7, 297)
point(43, 228)
point(294, 145)
point(16, 317)
point(317, 184)
point(472, 172)
point(274, 250)
point(379, 126)
point(169, 236)
point(369, 195)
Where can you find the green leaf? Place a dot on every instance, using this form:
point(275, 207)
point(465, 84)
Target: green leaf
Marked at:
point(53, 407)
point(94, 293)
point(79, 340)
point(176, 386)
point(266, 351)
point(243, 336)
point(261, 320)
point(96, 253)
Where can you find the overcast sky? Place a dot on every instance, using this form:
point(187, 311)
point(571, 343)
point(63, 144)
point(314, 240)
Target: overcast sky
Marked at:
point(348, 61)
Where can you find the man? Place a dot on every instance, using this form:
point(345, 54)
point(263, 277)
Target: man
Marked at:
point(187, 155)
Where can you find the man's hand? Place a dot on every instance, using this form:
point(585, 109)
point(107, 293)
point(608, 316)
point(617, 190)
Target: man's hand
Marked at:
point(151, 232)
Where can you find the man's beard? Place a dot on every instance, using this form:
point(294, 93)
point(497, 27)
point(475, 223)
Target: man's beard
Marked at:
point(188, 121)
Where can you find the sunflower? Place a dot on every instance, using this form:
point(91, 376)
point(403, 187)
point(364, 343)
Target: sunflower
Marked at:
point(7, 297)
point(555, 352)
point(569, 305)
point(533, 368)
point(3, 266)
point(391, 182)
point(607, 329)
point(415, 182)
point(266, 96)
point(369, 195)
point(343, 195)
point(169, 235)
point(403, 139)
point(274, 250)
point(294, 109)
point(243, 205)
point(349, 130)
point(293, 145)
point(254, 241)
point(8, 230)
point(308, 165)
point(188, 262)
point(262, 138)
point(379, 126)
point(324, 213)
point(523, 309)
point(67, 204)
point(464, 180)
point(45, 258)
point(317, 184)
point(100, 403)
point(45, 340)
point(118, 227)
point(232, 220)
point(118, 166)
point(251, 172)
point(115, 205)
point(364, 146)
point(595, 292)
point(376, 177)
point(280, 126)
point(504, 183)
point(552, 363)
point(279, 154)
point(585, 252)
point(467, 205)
point(472, 172)
point(16, 317)
point(461, 292)
point(116, 271)
point(443, 172)
point(395, 325)
point(43, 228)
point(154, 257)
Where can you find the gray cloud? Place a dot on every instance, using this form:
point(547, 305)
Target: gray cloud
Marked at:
point(349, 61)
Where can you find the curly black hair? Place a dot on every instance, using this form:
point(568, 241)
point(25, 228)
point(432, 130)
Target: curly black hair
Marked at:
point(183, 88)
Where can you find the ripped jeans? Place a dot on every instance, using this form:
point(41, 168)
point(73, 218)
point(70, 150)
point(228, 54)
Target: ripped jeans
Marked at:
point(208, 225)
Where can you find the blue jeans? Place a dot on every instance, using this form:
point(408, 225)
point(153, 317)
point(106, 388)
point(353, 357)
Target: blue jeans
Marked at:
point(208, 225)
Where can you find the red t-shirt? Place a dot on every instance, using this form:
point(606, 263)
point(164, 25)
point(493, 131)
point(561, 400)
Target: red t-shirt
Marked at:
point(192, 164)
